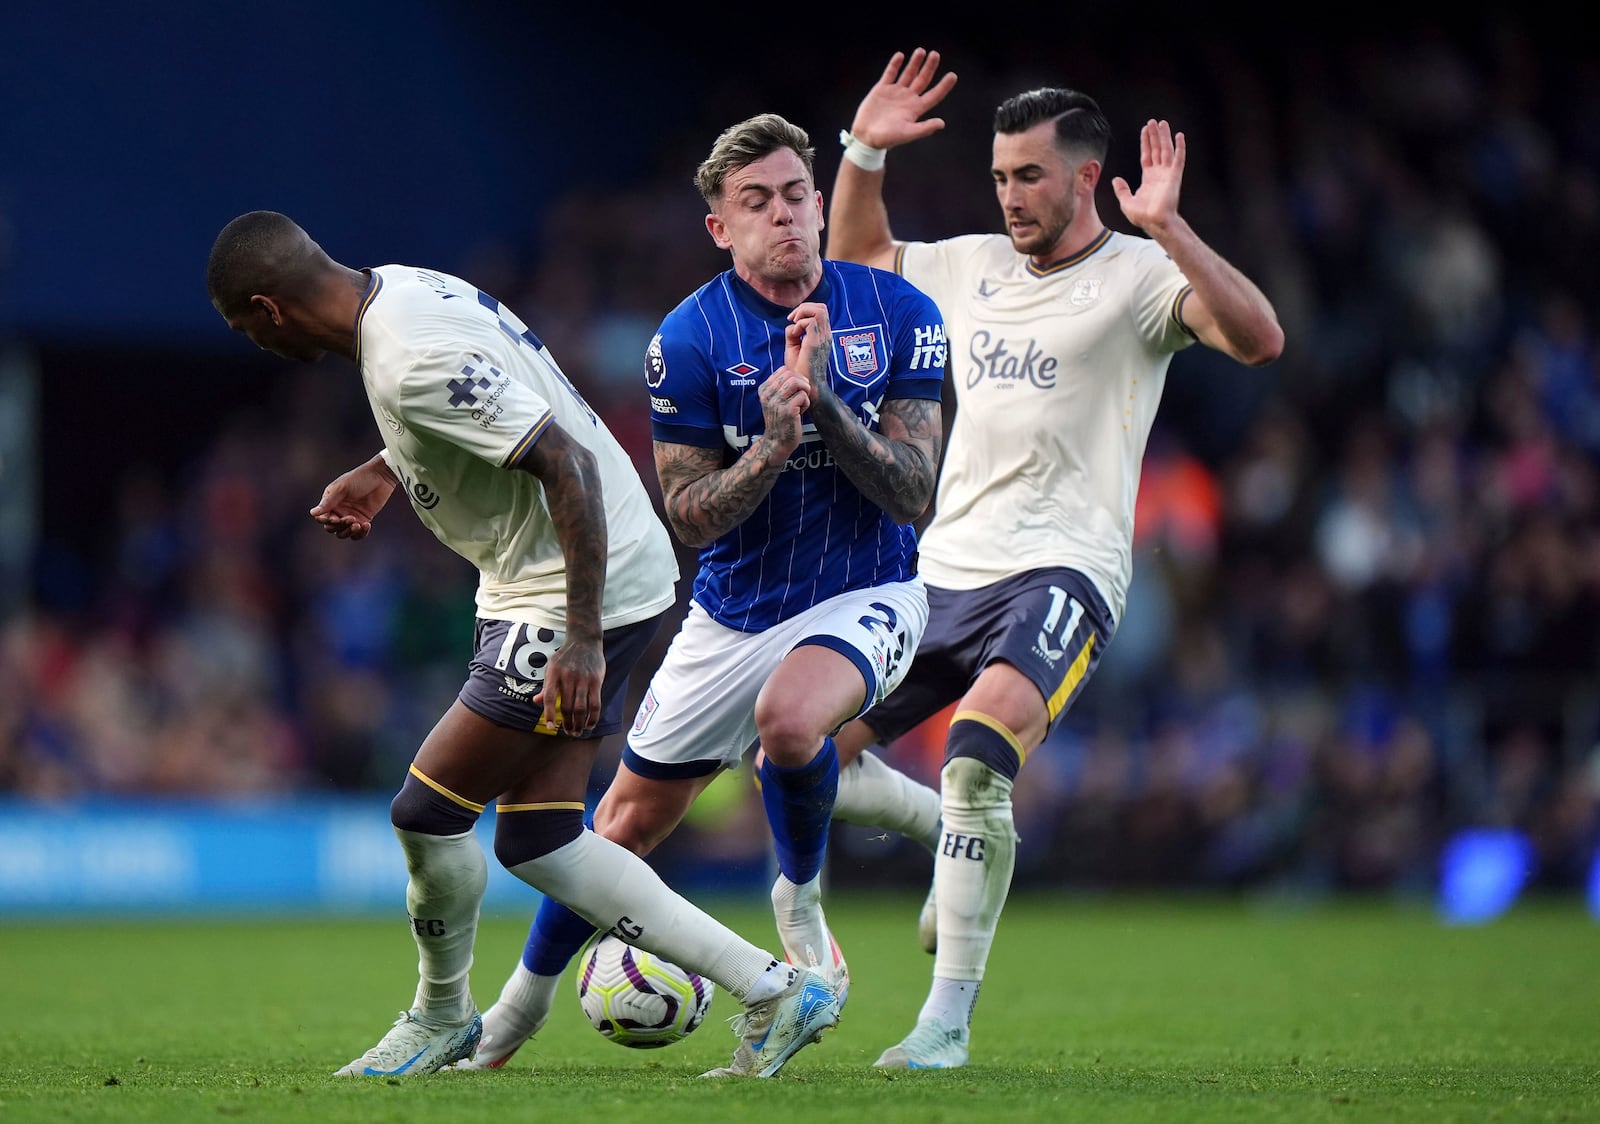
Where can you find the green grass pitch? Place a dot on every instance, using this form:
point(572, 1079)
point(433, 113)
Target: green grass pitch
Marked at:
point(1145, 1009)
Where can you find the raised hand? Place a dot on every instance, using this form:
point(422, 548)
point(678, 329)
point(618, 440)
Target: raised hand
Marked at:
point(1161, 159)
point(808, 346)
point(892, 112)
point(788, 391)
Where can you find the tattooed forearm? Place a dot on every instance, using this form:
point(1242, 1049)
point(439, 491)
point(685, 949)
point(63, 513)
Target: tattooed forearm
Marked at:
point(573, 494)
point(894, 467)
point(703, 500)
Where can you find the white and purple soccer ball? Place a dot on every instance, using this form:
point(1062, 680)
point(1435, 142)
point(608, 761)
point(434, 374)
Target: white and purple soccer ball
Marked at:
point(638, 999)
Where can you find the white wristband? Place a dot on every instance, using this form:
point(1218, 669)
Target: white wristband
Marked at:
point(862, 155)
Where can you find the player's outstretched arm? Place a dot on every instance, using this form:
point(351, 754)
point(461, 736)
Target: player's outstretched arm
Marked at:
point(349, 504)
point(894, 112)
point(1226, 310)
point(894, 466)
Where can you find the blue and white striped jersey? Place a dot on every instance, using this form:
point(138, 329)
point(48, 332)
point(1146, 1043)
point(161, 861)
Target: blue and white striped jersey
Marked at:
point(814, 535)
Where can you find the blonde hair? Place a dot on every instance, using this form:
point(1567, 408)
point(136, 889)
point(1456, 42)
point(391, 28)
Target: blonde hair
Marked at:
point(745, 143)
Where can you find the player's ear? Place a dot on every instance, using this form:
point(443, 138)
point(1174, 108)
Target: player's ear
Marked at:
point(267, 307)
point(719, 231)
point(1089, 174)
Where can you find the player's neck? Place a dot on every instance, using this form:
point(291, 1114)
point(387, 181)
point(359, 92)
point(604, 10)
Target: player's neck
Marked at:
point(1085, 228)
point(785, 293)
point(337, 306)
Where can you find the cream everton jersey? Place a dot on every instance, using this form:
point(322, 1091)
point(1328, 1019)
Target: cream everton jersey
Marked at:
point(1057, 374)
point(461, 389)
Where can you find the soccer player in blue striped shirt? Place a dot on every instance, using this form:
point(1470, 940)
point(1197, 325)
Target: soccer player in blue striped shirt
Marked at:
point(795, 406)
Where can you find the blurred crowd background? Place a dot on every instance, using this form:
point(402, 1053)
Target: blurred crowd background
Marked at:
point(1366, 606)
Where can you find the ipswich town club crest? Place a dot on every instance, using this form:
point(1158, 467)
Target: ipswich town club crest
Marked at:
point(863, 354)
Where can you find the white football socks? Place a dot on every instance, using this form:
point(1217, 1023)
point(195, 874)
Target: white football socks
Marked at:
point(971, 874)
point(611, 887)
point(802, 928)
point(950, 1002)
point(448, 876)
point(873, 794)
point(528, 997)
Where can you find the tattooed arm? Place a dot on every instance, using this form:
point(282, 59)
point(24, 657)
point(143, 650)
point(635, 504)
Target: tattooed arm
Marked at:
point(705, 501)
point(895, 465)
point(572, 493)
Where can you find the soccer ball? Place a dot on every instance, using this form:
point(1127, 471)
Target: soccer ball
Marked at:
point(637, 999)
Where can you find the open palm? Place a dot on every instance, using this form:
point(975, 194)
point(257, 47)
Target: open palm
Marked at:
point(892, 112)
point(1161, 160)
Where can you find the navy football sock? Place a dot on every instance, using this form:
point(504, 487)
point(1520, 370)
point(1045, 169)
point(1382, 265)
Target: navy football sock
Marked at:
point(554, 938)
point(799, 805)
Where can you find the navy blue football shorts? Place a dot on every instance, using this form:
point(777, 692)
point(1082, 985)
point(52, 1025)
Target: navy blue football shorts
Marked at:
point(1051, 625)
point(508, 670)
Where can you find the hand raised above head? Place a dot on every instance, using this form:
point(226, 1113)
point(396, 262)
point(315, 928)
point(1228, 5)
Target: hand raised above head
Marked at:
point(1161, 159)
point(893, 112)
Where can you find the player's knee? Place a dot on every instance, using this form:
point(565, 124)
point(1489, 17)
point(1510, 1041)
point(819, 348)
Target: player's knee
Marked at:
point(420, 808)
point(788, 738)
point(523, 836)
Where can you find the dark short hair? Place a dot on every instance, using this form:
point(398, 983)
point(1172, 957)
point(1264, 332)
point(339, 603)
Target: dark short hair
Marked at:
point(258, 252)
point(750, 140)
point(1080, 126)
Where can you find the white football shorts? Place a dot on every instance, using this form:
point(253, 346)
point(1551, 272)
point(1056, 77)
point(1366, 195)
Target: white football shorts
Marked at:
point(698, 712)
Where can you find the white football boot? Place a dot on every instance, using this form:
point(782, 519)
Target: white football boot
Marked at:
point(414, 1047)
point(930, 1045)
point(803, 931)
point(775, 1030)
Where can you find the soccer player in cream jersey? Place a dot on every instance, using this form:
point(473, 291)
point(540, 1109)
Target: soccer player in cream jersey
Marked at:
point(508, 466)
point(1060, 334)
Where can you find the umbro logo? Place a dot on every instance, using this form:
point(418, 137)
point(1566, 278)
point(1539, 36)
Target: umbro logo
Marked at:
point(985, 290)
